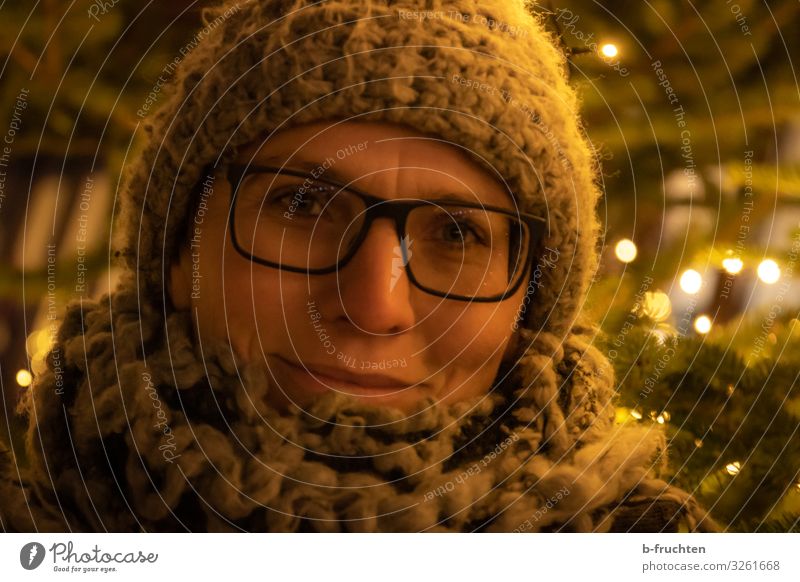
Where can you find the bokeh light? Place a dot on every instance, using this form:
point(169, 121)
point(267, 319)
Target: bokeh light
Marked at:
point(733, 468)
point(24, 378)
point(609, 50)
point(733, 265)
point(702, 324)
point(769, 271)
point(691, 281)
point(626, 250)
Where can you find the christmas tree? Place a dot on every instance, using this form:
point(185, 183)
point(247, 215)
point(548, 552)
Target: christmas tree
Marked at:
point(693, 110)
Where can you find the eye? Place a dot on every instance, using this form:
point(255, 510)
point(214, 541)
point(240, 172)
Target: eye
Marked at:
point(464, 233)
point(457, 228)
point(308, 201)
point(271, 196)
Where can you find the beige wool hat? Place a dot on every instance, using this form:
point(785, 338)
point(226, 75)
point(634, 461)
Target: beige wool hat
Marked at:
point(152, 432)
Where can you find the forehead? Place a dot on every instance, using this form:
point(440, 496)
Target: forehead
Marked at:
point(392, 159)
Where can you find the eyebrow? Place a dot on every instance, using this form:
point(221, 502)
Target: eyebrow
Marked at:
point(306, 165)
point(436, 194)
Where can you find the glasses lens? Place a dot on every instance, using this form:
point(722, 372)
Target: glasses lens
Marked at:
point(294, 221)
point(472, 252)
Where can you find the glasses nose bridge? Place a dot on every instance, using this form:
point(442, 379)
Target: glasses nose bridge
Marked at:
point(395, 210)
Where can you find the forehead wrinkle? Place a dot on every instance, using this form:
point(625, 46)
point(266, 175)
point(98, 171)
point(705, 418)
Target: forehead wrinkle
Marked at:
point(421, 188)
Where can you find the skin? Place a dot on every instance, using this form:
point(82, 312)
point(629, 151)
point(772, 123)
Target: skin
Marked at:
point(452, 350)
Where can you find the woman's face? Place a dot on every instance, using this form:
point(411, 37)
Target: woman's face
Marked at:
point(367, 330)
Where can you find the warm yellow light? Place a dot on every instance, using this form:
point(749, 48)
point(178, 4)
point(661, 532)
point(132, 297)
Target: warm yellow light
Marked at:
point(702, 324)
point(698, 443)
point(691, 281)
point(666, 415)
point(732, 265)
point(655, 305)
point(733, 468)
point(636, 414)
point(609, 50)
point(24, 378)
point(626, 250)
point(769, 271)
point(621, 415)
point(660, 419)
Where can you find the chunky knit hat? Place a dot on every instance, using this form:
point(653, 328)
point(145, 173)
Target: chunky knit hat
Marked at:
point(145, 430)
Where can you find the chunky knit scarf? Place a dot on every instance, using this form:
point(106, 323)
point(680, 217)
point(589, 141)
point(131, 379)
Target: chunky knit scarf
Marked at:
point(143, 429)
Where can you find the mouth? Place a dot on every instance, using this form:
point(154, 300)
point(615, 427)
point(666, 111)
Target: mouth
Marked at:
point(307, 379)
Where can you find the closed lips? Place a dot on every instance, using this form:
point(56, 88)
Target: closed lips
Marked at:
point(323, 373)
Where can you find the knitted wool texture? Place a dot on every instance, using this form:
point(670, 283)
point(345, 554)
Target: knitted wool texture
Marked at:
point(152, 432)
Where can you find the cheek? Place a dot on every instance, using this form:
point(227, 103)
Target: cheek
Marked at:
point(227, 294)
point(265, 307)
point(476, 336)
point(472, 350)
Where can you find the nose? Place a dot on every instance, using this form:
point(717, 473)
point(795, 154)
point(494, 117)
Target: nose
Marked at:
point(373, 288)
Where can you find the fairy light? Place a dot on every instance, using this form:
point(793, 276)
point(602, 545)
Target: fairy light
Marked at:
point(698, 443)
point(626, 250)
point(24, 378)
point(733, 468)
point(609, 50)
point(702, 324)
point(636, 414)
point(691, 281)
point(732, 265)
point(769, 271)
point(656, 305)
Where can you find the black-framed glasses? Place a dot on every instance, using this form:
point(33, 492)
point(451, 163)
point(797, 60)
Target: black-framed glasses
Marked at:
point(295, 221)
